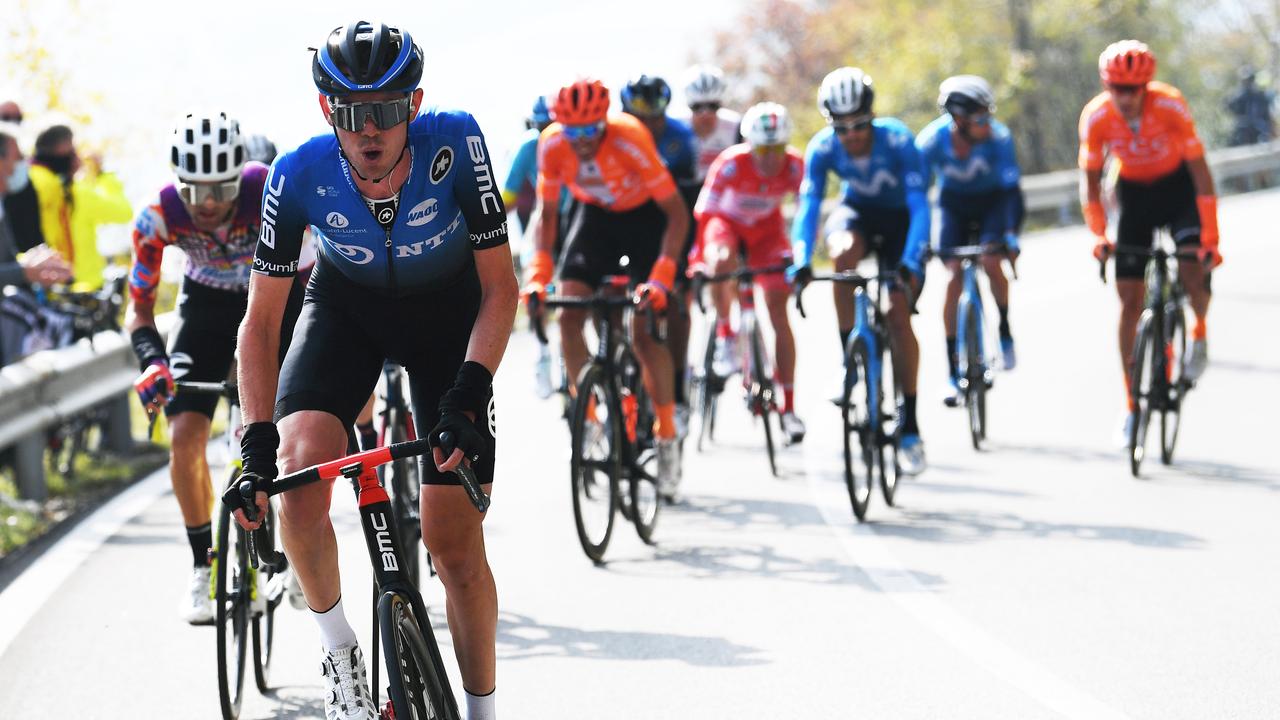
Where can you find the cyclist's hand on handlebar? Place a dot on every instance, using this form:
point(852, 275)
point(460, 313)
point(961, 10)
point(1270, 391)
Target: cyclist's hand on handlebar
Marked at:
point(155, 385)
point(651, 294)
point(1210, 257)
point(1102, 248)
point(1011, 246)
point(910, 274)
point(467, 442)
point(260, 500)
point(800, 274)
point(541, 269)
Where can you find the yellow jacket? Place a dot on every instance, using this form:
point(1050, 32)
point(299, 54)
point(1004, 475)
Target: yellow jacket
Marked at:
point(73, 232)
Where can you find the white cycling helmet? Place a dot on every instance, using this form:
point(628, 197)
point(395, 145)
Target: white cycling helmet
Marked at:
point(766, 123)
point(966, 94)
point(845, 91)
point(704, 84)
point(207, 148)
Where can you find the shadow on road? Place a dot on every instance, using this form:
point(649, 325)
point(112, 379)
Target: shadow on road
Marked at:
point(1209, 470)
point(292, 701)
point(974, 526)
point(520, 637)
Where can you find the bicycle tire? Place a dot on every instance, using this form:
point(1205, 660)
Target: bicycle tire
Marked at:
point(1175, 356)
point(859, 435)
point(762, 403)
point(976, 385)
point(231, 608)
point(264, 626)
point(591, 496)
point(642, 503)
point(890, 470)
point(1140, 391)
point(403, 480)
point(416, 679)
point(706, 392)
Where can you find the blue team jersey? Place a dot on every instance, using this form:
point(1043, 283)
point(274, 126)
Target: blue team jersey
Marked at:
point(891, 176)
point(448, 205)
point(524, 166)
point(676, 147)
point(992, 165)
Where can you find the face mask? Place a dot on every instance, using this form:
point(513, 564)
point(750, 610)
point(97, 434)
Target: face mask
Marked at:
point(19, 178)
point(58, 164)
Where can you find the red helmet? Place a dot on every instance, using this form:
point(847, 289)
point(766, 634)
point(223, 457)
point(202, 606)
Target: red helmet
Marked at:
point(582, 102)
point(1127, 62)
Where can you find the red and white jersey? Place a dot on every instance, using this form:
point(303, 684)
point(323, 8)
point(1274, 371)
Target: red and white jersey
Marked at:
point(735, 189)
point(726, 133)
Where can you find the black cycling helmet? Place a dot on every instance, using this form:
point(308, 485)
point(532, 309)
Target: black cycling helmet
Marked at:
point(363, 57)
point(646, 95)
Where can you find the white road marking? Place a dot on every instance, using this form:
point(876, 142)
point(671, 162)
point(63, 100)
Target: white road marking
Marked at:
point(873, 556)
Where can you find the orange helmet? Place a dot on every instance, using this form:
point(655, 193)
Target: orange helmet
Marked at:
point(1127, 62)
point(582, 102)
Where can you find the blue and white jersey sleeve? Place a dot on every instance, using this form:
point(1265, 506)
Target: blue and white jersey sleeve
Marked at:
point(817, 163)
point(929, 144)
point(284, 221)
point(911, 170)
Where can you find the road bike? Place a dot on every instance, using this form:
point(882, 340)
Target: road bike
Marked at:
point(416, 679)
point(613, 467)
point(757, 370)
point(872, 391)
point(402, 478)
point(1157, 381)
point(975, 375)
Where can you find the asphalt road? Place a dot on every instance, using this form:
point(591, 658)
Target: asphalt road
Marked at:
point(1036, 579)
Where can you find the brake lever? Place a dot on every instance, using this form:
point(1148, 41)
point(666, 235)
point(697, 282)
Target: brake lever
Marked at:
point(470, 484)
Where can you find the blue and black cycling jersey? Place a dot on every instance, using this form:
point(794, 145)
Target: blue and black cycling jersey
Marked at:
point(676, 147)
point(983, 188)
point(449, 205)
point(889, 177)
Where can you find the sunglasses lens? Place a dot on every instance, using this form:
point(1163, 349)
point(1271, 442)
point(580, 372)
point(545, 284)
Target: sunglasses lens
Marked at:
point(581, 132)
point(199, 194)
point(704, 107)
point(386, 114)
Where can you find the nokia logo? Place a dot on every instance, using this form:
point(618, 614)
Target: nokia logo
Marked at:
point(337, 220)
point(386, 548)
point(270, 209)
point(441, 164)
point(423, 213)
point(484, 176)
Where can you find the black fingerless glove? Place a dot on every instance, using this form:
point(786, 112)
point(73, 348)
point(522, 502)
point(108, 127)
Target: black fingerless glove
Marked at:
point(258, 448)
point(148, 345)
point(470, 393)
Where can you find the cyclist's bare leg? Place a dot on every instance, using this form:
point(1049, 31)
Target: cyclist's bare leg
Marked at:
point(784, 342)
point(573, 344)
point(951, 301)
point(847, 249)
point(1131, 292)
point(655, 361)
point(452, 531)
point(993, 264)
point(308, 437)
point(1193, 277)
point(189, 468)
point(906, 356)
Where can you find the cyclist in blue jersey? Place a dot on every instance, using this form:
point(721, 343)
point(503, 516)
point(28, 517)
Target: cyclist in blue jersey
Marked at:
point(518, 190)
point(413, 267)
point(973, 156)
point(883, 209)
point(647, 97)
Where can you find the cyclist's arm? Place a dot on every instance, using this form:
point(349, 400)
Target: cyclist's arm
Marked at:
point(149, 240)
point(522, 167)
point(1090, 160)
point(1011, 181)
point(804, 228)
point(917, 204)
point(677, 224)
point(549, 185)
point(1201, 177)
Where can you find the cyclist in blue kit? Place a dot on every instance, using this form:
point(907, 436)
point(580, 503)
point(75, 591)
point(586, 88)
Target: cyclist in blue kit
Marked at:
point(973, 156)
point(883, 209)
point(413, 267)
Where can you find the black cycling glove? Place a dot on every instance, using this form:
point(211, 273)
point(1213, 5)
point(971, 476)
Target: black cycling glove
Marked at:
point(258, 448)
point(470, 393)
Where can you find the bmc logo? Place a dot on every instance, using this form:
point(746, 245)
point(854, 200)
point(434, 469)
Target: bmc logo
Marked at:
point(270, 208)
point(484, 176)
point(385, 548)
point(423, 213)
point(337, 220)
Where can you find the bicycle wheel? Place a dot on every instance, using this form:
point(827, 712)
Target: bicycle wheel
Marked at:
point(1175, 343)
point(641, 502)
point(975, 394)
point(859, 434)
point(403, 480)
point(1140, 385)
point(596, 463)
point(887, 457)
point(231, 603)
point(264, 625)
point(704, 391)
point(416, 677)
point(762, 403)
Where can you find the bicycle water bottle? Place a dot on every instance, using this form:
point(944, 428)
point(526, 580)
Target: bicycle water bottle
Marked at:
point(542, 372)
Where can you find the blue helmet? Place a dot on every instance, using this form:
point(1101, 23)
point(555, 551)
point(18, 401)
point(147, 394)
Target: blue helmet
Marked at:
point(362, 57)
point(646, 95)
point(541, 114)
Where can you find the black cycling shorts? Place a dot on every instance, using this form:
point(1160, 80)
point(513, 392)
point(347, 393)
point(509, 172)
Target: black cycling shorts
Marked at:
point(202, 343)
point(1169, 202)
point(884, 229)
point(345, 333)
point(978, 218)
point(599, 238)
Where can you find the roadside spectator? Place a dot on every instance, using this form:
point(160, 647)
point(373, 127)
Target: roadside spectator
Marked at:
point(72, 208)
point(1251, 108)
point(40, 266)
point(20, 203)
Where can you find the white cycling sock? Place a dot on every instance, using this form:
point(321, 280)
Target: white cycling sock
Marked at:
point(481, 707)
point(335, 631)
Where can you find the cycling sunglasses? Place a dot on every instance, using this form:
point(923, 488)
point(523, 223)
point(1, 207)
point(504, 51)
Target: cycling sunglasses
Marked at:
point(1124, 89)
point(200, 193)
point(583, 132)
point(844, 128)
point(767, 150)
point(386, 114)
point(704, 107)
point(977, 118)
point(12, 118)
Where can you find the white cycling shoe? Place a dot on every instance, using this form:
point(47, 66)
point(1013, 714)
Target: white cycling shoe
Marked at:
point(197, 602)
point(668, 468)
point(346, 682)
point(1197, 360)
point(793, 426)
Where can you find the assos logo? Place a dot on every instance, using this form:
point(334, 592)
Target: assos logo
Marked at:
point(337, 220)
point(423, 213)
point(386, 215)
point(270, 208)
point(441, 164)
point(383, 536)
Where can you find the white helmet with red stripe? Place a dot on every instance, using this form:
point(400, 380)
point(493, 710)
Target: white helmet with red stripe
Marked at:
point(766, 123)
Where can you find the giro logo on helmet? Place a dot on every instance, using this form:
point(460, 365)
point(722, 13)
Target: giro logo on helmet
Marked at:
point(441, 164)
point(337, 220)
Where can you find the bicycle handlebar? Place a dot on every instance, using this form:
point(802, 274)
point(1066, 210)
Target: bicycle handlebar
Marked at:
point(700, 279)
point(852, 277)
point(1158, 253)
point(597, 301)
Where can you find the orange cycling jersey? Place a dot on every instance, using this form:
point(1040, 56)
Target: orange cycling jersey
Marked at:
point(625, 173)
point(1165, 136)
